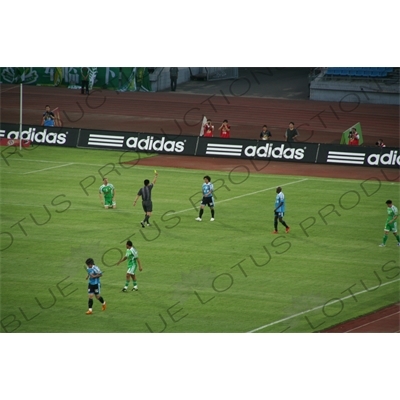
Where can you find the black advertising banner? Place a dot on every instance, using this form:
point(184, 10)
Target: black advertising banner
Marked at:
point(135, 141)
point(217, 147)
point(97, 139)
point(257, 149)
point(384, 157)
point(47, 135)
point(283, 151)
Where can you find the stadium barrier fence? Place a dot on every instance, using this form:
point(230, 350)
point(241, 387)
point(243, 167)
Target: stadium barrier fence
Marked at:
point(317, 153)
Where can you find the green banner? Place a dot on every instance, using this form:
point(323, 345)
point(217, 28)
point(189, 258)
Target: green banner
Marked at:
point(113, 78)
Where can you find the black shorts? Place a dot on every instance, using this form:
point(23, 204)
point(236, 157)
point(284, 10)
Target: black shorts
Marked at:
point(207, 201)
point(94, 289)
point(147, 205)
point(279, 214)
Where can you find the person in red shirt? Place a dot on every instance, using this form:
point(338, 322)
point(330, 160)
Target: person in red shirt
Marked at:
point(354, 137)
point(225, 130)
point(208, 129)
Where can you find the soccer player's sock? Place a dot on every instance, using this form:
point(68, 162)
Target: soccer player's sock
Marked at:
point(126, 283)
point(134, 283)
point(101, 300)
point(385, 238)
point(276, 225)
point(212, 213)
point(398, 238)
point(201, 212)
point(90, 303)
point(284, 224)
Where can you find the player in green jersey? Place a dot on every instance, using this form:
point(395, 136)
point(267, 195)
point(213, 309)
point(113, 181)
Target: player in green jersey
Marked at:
point(107, 190)
point(391, 223)
point(133, 262)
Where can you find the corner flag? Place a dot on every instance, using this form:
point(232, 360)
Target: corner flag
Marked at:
point(203, 122)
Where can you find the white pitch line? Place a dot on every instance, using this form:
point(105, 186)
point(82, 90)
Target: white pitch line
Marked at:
point(243, 195)
point(317, 308)
point(46, 169)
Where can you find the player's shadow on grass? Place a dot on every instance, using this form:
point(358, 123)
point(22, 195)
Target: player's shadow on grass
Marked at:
point(224, 225)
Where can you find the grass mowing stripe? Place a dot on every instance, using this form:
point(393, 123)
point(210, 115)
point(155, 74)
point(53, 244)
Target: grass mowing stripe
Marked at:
point(243, 195)
point(319, 307)
point(177, 212)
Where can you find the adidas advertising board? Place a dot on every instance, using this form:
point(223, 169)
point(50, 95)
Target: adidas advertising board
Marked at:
point(257, 149)
point(387, 157)
point(145, 142)
point(48, 135)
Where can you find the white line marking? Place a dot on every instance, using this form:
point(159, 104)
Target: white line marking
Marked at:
point(6, 90)
point(46, 169)
point(317, 308)
point(243, 195)
point(372, 322)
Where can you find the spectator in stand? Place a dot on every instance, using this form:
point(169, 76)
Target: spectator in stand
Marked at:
point(354, 137)
point(291, 133)
point(85, 80)
point(225, 130)
point(173, 74)
point(380, 143)
point(208, 129)
point(265, 133)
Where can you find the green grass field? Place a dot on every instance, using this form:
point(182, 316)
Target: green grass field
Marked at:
point(230, 275)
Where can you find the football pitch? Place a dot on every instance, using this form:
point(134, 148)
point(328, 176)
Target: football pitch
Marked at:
point(227, 276)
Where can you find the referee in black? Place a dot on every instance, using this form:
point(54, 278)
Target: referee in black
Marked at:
point(145, 193)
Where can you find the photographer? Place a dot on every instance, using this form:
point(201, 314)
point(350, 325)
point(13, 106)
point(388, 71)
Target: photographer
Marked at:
point(354, 137)
point(225, 130)
point(265, 134)
point(48, 117)
point(380, 143)
point(208, 129)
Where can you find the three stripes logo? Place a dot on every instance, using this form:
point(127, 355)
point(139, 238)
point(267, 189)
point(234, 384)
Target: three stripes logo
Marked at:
point(342, 157)
point(224, 149)
point(96, 139)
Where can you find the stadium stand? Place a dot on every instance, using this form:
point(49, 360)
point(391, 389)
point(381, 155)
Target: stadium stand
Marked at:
point(362, 72)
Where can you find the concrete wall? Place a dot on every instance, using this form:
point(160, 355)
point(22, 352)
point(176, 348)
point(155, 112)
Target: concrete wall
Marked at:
point(355, 91)
point(160, 79)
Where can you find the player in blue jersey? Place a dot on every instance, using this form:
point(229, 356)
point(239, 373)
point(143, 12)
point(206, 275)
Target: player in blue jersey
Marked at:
point(208, 199)
point(94, 274)
point(279, 210)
